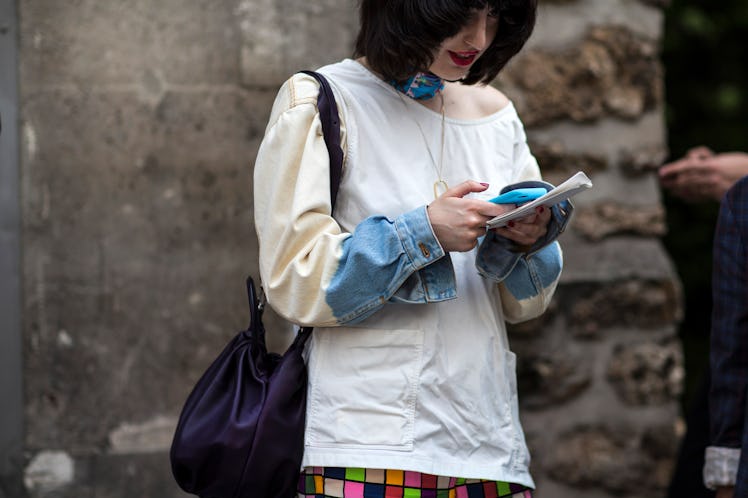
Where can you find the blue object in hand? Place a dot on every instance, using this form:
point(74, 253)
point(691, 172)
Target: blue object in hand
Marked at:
point(519, 196)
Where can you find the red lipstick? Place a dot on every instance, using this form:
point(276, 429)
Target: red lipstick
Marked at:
point(463, 58)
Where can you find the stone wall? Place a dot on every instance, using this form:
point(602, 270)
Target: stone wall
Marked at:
point(600, 374)
point(140, 121)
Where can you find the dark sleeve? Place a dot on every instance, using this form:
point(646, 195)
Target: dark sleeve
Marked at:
point(729, 333)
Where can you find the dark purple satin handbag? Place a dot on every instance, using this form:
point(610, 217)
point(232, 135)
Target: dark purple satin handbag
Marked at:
point(241, 431)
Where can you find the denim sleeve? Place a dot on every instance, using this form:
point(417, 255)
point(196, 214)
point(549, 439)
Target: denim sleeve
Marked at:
point(386, 260)
point(527, 278)
point(498, 256)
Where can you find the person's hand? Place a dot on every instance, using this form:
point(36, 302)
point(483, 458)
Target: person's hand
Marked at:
point(459, 222)
point(724, 492)
point(703, 175)
point(526, 231)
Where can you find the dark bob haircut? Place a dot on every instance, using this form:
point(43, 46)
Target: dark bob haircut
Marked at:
point(401, 37)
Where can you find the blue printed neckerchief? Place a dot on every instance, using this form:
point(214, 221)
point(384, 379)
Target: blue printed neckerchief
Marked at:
point(422, 86)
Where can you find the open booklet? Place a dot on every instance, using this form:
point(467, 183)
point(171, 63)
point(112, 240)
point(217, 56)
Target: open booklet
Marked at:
point(575, 184)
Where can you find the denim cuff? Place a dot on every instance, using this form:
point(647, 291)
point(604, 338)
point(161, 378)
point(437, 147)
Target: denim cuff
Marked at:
point(418, 238)
point(434, 277)
point(497, 256)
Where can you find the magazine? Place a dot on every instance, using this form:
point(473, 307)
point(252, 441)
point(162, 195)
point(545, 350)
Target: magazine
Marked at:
point(571, 187)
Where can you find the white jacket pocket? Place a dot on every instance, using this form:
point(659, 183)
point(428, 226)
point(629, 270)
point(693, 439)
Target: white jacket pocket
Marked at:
point(363, 388)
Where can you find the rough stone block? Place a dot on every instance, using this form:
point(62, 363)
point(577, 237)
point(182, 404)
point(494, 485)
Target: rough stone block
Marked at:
point(618, 258)
point(616, 459)
point(636, 304)
point(642, 160)
point(548, 377)
point(611, 218)
point(646, 373)
point(611, 72)
point(619, 156)
point(562, 23)
point(558, 163)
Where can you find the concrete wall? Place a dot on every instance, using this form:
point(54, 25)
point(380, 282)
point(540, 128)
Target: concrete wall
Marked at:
point(11, 416)
point(139, 125)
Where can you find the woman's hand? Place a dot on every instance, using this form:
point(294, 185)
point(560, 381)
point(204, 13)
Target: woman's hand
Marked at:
point(459, 222)
point(526, 231)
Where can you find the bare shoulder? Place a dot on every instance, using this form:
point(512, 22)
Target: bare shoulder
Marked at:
point(477, 101)
point(489, 99)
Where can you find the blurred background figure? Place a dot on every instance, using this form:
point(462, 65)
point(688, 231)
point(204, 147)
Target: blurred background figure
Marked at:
point(725, 469)
point(707, 103)
point(701, 175)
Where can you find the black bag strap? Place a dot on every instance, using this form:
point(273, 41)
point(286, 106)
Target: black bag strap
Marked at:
point(328, 115)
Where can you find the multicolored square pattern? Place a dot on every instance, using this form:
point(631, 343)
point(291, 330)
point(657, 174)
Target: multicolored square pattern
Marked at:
point(335, 482)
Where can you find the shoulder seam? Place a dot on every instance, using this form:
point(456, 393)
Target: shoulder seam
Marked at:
point(295, 99)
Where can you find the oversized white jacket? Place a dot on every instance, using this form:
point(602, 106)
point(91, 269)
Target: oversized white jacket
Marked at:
point(409, 363)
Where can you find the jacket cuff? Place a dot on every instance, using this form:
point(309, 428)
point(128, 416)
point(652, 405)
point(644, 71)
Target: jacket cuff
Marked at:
point(497, 256)
point(434, 279)
point(560, 216)
point(418, 238)
point(720, 466)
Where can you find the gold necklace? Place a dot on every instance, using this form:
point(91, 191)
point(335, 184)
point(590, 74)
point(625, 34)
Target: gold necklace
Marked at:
point(440, 185)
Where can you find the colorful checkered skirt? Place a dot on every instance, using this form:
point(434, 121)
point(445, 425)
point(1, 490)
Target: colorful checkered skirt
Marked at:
point(324, 482)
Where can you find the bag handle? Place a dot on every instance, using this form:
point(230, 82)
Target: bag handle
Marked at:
point(328, 115)
point(256, 306)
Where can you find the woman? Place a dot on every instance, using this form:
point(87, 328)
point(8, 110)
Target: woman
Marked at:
point(412, 388)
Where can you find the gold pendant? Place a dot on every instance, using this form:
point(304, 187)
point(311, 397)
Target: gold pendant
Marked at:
point(440, 185)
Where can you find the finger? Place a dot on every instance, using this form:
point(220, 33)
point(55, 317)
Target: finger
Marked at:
point(544, 212)
point(516, 236)
point(533, 230)
point(683, 170)
point(696, 180)
point(530, 219)
point(674, 168)
point(700, 152)
point(524, 229)
point(491, 210)
point(541, 216)
point(465, 188)
point(476, 221)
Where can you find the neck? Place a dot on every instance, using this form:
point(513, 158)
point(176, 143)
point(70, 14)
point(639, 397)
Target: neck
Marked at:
point(421, 86)
point(430, 103)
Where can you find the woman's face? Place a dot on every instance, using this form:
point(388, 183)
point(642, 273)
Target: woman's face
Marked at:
point(457, 54)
